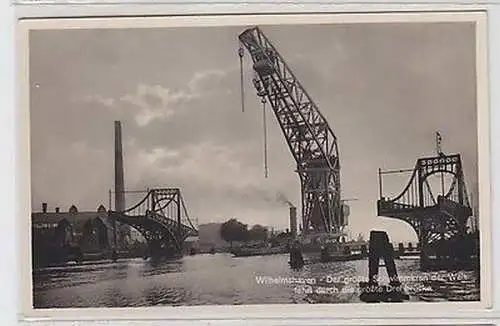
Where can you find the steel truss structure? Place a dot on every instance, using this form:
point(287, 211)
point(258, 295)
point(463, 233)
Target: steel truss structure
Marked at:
point(441, 219)
point(163, 220)
point(308, 135)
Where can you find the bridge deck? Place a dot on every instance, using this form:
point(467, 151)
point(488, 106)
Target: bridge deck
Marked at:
point(152, 218)
point(444, 206)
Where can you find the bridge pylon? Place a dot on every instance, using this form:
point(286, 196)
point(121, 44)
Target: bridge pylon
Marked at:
point(439, 217)
point(162, 219)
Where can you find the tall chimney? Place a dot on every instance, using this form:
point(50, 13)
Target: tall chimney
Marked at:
point(293, 221)
point(119, 182)
point(44, 207)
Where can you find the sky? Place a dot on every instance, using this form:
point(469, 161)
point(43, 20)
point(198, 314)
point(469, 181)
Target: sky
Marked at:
point(384, 89)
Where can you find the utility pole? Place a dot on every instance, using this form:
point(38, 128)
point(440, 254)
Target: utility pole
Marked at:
point(439, 152)
point(109, 199)
point(439, 140)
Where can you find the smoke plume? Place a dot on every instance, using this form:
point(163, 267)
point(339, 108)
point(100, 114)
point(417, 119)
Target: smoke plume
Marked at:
point(281, 198)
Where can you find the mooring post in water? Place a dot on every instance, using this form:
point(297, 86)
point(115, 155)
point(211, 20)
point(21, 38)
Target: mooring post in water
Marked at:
point(296, 259)
point(381, 248)
point(371, 291)
point(364, 251)
point(401, 249)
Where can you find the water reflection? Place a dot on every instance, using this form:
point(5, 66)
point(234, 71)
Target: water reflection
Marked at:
point(220, 279)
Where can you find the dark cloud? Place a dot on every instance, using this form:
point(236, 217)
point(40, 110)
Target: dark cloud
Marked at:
point(384, 88)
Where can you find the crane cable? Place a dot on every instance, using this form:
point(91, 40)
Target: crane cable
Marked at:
point(265, 136)
point(241, 52)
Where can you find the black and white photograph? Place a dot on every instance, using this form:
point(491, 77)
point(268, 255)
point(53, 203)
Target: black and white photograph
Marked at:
point(256, 161)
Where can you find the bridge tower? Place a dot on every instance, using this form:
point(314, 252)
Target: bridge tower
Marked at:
point(439, 217)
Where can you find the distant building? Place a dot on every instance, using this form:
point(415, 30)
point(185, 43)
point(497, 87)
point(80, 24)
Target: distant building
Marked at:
point(209, 236)
point(91, 231)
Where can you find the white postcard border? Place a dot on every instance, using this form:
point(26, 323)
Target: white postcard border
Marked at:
point(252, 311)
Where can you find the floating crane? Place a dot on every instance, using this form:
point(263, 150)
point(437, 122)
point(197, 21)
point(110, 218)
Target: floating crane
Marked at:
point(308, 135)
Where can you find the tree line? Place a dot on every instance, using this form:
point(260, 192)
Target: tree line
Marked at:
point(233, 230)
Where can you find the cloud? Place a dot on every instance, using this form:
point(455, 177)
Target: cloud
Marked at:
point(155, 102)
point(155, 156)
point(107, 102)
point(205, 162)
point(205, 80)
point(208, 173)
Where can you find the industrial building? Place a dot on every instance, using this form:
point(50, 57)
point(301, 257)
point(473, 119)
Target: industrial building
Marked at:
point(71, 233)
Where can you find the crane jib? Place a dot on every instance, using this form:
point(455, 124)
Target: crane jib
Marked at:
point(307, 133)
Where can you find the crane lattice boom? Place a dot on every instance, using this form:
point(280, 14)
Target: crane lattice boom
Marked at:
point(310, 139)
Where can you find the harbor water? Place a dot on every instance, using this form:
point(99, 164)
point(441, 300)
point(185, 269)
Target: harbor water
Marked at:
point(221, 279)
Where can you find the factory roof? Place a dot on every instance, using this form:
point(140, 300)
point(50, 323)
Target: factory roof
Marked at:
point(72, 215)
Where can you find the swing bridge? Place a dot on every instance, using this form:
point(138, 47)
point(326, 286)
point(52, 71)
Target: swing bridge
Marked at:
point(162, 219)
point(441, 218)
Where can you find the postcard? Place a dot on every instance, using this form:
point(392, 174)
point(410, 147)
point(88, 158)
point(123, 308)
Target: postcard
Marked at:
point(254, 161)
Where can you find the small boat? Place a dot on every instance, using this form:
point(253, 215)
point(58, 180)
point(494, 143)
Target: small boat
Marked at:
point(345, 257)
point(338, 253)
point(247, 252)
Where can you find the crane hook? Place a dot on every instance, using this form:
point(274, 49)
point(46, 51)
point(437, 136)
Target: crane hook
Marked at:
point(241, 52)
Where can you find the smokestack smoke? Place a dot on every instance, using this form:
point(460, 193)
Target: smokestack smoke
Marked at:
point(281, 198)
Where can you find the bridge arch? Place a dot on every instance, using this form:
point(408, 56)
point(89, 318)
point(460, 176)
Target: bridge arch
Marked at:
point(436, 171)
point(440, 183)
point(161, 217)
point(439, 220)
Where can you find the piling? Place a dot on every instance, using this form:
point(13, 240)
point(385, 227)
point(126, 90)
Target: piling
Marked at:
point(364, 251)
point(296, 258)
point(401, 248)
point(371, 291)
point(293, 221)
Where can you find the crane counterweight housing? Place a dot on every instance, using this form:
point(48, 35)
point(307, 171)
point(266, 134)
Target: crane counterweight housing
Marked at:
point(308, 135)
